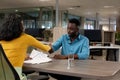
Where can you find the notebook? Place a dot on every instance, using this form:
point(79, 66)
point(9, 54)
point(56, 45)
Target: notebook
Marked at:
point(38, 57)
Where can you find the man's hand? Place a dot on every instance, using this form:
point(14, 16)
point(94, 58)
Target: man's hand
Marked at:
point(58, 56)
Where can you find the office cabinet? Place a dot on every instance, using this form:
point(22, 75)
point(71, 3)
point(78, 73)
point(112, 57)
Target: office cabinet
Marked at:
point(108, 37)
point(99, 37)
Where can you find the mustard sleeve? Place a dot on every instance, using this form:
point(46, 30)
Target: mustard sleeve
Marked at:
point(36, 43)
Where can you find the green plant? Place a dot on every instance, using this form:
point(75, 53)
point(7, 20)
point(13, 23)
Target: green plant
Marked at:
point(117, 36)
point(47, 34)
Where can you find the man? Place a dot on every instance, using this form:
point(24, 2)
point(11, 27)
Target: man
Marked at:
point(74, 43)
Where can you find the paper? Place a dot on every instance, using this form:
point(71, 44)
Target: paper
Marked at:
point(38, 57)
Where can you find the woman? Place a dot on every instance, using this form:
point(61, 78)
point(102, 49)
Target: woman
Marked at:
point(15, 42)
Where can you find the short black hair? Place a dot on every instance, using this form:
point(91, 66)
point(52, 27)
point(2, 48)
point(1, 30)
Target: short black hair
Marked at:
point(11, 27)
point(74, 20)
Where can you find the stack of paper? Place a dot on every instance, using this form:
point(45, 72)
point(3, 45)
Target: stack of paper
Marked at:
point(38, 57)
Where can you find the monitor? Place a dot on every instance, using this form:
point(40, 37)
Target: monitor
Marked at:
point(36, 32)
point(93, 35)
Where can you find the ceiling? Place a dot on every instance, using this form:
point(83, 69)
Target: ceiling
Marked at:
point(88, 8)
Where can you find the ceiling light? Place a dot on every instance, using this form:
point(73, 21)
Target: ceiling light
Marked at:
point(74, 7)
point(71, 8)
point(108, 6)
point(44, 0)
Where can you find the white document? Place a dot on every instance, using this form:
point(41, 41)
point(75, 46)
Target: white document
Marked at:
point(38, 57)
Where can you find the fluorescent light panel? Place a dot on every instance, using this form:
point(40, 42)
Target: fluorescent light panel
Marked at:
point(44, 0)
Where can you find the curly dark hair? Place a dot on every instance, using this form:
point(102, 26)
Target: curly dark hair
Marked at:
point(74, 20)
point(11, 27)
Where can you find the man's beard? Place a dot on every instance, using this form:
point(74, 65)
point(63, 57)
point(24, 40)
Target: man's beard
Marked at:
point(72, 35)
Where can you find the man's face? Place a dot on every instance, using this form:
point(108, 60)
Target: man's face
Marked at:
point(72, 30)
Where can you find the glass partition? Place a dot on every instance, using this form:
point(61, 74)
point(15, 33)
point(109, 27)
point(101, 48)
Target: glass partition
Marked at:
point(33, 17)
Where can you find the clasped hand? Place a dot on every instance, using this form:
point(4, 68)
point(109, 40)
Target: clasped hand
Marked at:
point(58, 56)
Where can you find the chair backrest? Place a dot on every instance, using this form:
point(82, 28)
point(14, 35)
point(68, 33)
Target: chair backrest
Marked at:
point(7, 71)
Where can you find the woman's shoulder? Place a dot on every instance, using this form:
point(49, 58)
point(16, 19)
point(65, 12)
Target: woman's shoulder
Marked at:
point(24, 35)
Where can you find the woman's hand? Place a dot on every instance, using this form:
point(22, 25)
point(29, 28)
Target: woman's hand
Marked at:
point(28, 57)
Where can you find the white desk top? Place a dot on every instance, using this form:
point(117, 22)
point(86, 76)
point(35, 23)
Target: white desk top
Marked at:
point(105, 47)
point(93, 47)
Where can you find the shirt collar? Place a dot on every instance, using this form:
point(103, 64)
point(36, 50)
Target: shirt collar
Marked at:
point(78, 38)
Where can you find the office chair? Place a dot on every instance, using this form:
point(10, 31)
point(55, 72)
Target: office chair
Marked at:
point(30, 75)
point(95, 52)
point(7, 71)
point(111, 55)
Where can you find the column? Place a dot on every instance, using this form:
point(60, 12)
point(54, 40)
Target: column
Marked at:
point(82, 21)
point(97, 21)
point(118, 24)
point(57, 13)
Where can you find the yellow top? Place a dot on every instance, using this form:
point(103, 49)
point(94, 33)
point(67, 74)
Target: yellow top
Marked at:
point(16, 49)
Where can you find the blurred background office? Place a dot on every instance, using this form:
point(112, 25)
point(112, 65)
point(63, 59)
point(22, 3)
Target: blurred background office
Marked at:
point(43, 14)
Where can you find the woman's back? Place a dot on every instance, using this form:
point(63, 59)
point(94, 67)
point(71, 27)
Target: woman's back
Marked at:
point(16, 49)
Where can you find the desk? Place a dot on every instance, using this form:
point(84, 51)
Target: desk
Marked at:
point(114, 47)
point(105, 47)
point(91, 69)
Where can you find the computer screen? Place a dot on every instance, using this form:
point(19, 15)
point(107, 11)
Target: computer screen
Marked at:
point(93, 35)
point(36, 32)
